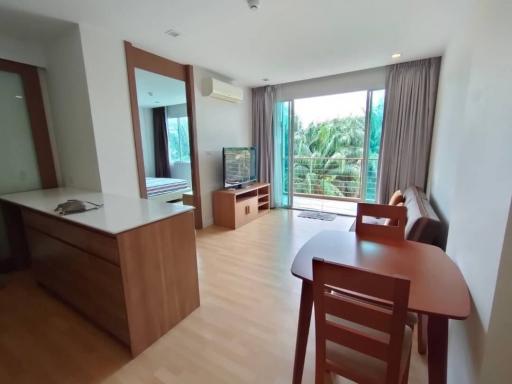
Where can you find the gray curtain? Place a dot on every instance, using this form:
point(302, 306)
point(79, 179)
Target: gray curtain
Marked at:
point(411, 91)
point(263, 99)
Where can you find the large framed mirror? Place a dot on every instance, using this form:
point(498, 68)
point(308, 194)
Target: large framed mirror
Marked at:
point(163, 117)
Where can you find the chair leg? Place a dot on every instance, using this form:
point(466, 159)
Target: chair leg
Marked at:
point(320, 371)
point(405, 379)
point(320, 376)
point(422, 334)
point(328, 378)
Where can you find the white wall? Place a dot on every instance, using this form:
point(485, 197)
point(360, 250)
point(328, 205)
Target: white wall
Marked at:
point(449, 121)
point(496, 365)
point(470, 180)
point(219, 124)
point(89, 103)
point(107, 83)
point(72, 121)
point(22, 51)
point(346, 82)
point(148, 140)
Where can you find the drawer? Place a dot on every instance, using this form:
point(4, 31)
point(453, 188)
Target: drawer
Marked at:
point(246, 211)
point(88, 283)
point(88, 240)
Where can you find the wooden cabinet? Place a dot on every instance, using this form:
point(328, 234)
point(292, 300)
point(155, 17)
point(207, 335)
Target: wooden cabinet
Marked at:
point(233, 208)
point(85, 281)
point(136, 284)
point(246, 210)
point(188, 198)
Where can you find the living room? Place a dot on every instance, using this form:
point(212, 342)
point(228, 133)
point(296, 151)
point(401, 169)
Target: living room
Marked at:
point(423, 109)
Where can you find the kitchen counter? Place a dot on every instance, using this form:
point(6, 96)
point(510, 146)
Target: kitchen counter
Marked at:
point(130, 266)
point(118, 213)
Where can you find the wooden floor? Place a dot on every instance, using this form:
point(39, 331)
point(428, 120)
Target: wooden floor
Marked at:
point(243, 332)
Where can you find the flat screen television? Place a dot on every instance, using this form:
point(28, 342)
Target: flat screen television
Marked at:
point(239, 166)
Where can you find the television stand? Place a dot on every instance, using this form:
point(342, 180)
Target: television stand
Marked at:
point(233, 208)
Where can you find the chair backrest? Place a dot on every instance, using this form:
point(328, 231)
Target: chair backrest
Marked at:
point(355, 308)
point(396, 214)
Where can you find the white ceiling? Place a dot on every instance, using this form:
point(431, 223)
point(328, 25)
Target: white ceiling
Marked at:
point(27, 26)
point(285, 40)
point(154, 90)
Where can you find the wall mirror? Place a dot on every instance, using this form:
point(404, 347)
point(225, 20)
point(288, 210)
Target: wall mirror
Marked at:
point(161, 93)
point(26, 159)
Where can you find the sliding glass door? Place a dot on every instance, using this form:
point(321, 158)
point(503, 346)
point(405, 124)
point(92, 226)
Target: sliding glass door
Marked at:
point(283, 151)
point(326, 150)
point(373, 134)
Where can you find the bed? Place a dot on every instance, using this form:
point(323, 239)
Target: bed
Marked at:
point(166, 189)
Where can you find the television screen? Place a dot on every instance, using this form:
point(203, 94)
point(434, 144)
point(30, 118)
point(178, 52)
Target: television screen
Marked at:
point(239, 166)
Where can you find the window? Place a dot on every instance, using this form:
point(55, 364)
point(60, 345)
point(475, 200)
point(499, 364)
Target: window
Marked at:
point(178, 139)
point(328, 150)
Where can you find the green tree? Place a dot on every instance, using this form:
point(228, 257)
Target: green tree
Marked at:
point(327, 157)
point(376, 116)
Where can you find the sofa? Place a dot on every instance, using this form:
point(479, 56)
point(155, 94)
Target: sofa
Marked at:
point(423, 225)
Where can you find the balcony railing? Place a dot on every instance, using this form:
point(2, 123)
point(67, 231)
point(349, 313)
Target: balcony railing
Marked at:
point(334, 178)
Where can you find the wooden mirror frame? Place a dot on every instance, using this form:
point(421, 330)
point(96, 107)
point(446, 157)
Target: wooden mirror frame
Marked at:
point(138, 58)
point(37, 117)
point(19, 257)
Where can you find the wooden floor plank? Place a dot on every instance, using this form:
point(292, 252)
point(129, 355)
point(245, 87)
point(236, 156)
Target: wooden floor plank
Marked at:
point(243, 332)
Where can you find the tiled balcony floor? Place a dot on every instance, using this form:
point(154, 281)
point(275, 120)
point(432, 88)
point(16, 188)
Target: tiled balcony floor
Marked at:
point(325, 205)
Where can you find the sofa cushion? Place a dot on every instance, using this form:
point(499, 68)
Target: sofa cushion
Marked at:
point(396, 198)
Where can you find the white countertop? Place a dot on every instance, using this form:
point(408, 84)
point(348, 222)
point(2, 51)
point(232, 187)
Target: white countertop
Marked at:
point(118, 214)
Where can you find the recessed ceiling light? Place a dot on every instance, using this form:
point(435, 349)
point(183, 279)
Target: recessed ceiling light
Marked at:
point(172, 32)
point(265, 79)
point(395, 55)
point(18, 97)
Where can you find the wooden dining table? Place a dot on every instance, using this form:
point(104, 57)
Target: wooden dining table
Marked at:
point(437, 288)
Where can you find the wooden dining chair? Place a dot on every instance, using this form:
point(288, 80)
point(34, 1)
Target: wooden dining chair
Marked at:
point(355, 338)
point(394, 228)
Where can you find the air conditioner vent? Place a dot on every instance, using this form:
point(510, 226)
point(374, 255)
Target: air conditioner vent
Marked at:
point(224, 91)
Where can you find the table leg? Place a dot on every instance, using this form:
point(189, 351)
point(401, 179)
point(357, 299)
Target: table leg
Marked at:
point(437, 349)
point(306, 306)
point(422, 333)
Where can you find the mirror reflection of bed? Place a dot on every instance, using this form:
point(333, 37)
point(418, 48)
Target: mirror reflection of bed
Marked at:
point(165, 136)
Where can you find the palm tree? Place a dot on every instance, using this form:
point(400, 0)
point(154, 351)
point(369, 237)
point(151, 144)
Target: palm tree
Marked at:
point(326, 157)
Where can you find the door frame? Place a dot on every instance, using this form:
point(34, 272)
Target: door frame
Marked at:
point(291, 152)
point(37, 116)
point(138, 58)
point(364, 162)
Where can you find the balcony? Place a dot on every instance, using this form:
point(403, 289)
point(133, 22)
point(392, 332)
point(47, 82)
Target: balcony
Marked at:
point(333, 184)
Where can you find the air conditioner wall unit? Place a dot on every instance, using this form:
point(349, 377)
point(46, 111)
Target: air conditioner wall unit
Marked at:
point(223, 91)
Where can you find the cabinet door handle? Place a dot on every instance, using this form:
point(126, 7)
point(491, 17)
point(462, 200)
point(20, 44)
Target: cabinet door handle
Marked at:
point(247, 209)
